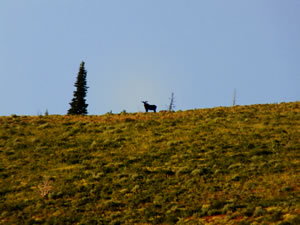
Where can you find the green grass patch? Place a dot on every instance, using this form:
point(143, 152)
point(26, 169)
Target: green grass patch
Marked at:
point(225, 165)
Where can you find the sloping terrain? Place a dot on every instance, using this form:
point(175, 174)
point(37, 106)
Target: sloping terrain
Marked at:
point(225, 165)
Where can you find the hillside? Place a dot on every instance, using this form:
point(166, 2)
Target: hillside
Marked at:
point(225, 165)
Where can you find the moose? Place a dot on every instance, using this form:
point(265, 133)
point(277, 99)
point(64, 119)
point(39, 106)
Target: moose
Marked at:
point(149, 107)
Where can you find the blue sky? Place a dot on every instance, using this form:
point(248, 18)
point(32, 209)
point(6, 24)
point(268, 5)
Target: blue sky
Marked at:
point(138, 50)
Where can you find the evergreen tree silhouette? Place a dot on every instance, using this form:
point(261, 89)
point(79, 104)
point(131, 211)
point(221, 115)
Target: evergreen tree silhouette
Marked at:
point(78, 104)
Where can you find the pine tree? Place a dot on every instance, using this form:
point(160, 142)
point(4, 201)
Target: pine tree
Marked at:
point(78, 104)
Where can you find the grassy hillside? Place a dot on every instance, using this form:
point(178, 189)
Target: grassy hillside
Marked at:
point(226, 165)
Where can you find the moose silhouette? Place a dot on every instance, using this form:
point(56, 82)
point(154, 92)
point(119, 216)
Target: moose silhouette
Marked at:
point(149, 107)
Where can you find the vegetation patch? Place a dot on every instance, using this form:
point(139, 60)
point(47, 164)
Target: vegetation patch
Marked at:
point(225, 165)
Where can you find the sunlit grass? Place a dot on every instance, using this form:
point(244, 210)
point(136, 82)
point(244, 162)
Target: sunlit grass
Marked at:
point(226, 165)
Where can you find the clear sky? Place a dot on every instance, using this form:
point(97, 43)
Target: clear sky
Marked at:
point(138, 50)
